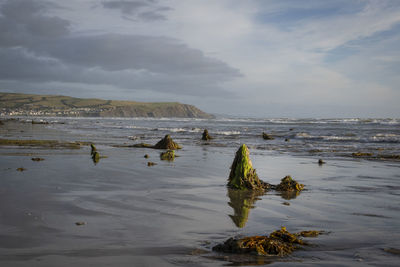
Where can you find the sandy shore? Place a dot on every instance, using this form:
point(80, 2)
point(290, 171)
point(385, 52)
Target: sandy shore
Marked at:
point(171, 214)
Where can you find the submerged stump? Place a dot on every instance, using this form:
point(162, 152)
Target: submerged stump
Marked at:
point(267, 136)
point(96, 157)
point(93, 149)
point(206, 135)
point(242, 175)
point(167, 143)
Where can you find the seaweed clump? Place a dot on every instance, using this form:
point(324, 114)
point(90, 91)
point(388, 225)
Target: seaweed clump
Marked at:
point(40, 143)
point(37, 159)
point(206, 136)
point(361, 154)
point(278, 243)
point(167, 143)
point(168, 155)
point(288, 184)
point(242, 175)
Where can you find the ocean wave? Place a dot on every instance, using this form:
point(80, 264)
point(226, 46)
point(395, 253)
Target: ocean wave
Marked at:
point(227, 132)
point(385, 137)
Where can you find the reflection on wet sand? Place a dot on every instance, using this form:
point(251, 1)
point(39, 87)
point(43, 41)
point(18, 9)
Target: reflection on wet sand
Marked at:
point(242, 201)
point(288, 195)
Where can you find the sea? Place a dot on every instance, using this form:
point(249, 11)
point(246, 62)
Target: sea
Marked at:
point(173, 212)
point(305, 137)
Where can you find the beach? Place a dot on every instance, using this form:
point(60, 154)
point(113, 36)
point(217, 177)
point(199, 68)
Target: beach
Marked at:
point(173, 213)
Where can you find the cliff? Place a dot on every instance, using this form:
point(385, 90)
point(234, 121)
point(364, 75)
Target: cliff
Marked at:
point(53, 105)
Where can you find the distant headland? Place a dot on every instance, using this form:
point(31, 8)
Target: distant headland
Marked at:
point(13, 104)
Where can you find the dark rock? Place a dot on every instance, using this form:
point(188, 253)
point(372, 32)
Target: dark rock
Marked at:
point(146, 156)
point(37, 159)
point(321, 162)
point(80, 223)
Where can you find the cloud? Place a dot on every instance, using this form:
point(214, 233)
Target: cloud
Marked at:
point(41, 48)
point(147, 10)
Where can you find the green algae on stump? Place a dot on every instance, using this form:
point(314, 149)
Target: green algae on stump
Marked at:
point(242, 175)
point(288, 184)
point(206, 136)
point(168, 155)
point(279, 243)
point(167, 143)
point(93, 149)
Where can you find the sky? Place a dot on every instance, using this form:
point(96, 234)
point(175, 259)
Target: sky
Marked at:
point(253, 58)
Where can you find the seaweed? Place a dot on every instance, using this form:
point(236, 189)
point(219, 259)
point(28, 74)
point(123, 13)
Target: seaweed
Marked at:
point(361, 154)
point(278, 243)
point(168, 155)
point(144, 145)
point(242, 175)
point(150, 163)
point(40, 143)
point(21, 169)
point(37, 159)
point(321, 162)
point(288, 184)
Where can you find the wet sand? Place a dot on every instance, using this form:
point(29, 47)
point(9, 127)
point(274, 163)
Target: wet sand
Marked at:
point(171, 214)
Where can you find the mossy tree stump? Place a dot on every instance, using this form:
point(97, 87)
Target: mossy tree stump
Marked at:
point(206, 136)
point(242, 175)
point(167, 143)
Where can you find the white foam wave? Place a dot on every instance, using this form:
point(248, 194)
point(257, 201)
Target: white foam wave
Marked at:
point(228, 132)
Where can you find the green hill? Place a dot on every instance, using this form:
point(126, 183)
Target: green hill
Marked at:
point(56, 105)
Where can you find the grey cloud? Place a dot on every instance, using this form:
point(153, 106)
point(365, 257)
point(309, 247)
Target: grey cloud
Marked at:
point(23, 22)
point(147, 10)
point(40, 48)
point(17, 64)
point(116, 52)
